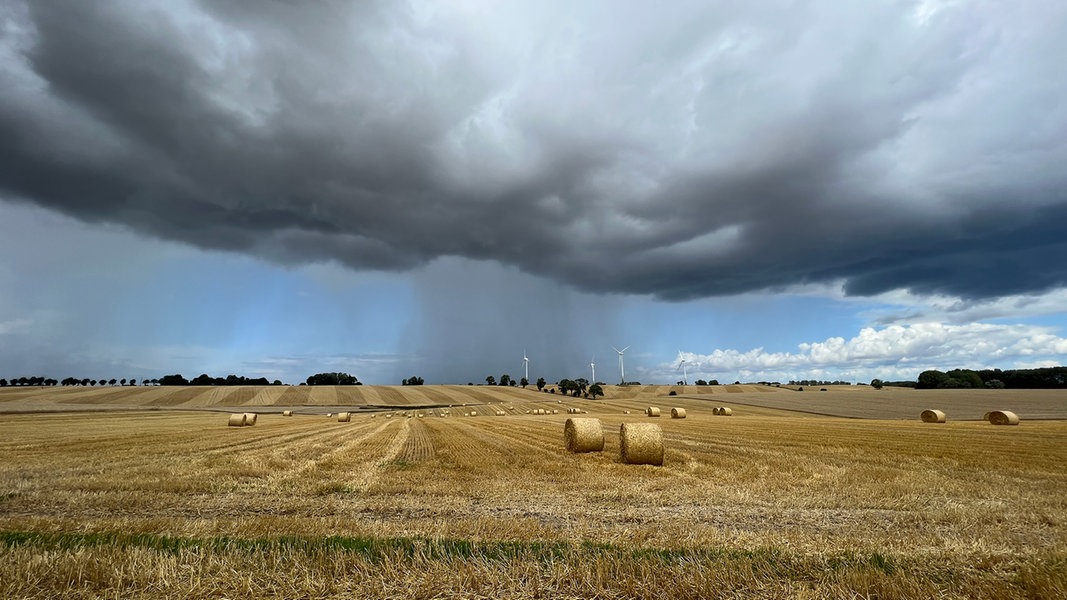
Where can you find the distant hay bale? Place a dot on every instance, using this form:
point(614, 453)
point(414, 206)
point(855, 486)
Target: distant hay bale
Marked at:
point(725, 412)
point(250, 418)
point(583, 435)
point(1003, 417)
point(555, 411)
point(626, 412)
point(932, 416)
point(641, 444)
point(237, 420)
point(677, 413)
point(287, 413)
point(474, 414)
point(715, 411)
point(328, 415)
point(344, 417)
point(652, 411)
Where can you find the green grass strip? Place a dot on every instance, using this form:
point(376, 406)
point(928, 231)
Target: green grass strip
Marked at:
point(376, 549)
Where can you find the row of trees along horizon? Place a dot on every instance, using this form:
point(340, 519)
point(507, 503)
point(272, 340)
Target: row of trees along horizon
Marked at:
point(1039, 378)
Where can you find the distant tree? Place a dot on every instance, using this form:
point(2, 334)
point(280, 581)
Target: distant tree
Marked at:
point(931, 379)
point(524, 382)
point(965, 378)
point(505, 380)
point(540, 383)
point(877, 384)
point(595, 390)
point(123, 382)
point(3, 383)
point(133, 382)
point(580, 386)
point(995, 384)
point(175, 379)
point(332, 379)
point(713, 382)
point(413, 380)
point(276, 382)
point(701, 382)
point(490, 380)
point(92, 382)
point(679, 382)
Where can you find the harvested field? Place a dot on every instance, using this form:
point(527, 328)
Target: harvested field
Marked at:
point(765, 503)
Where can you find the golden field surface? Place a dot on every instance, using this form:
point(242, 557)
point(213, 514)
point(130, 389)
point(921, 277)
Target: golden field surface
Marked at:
point(145, 492)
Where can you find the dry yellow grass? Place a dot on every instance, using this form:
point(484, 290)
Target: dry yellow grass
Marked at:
point(768, 503)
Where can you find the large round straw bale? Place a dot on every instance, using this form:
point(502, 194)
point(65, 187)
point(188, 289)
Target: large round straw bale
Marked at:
point(237, 420)
point(583, 435)
point(1003, 417)
point(641, 444)
point(555, 411)
point(985, 417)
point(677, 413)
point(344, 417)
point(932, 416)
point(725, 412)
point(250, 418)
point(652, 411)
point(287, 413)
point(715, 411)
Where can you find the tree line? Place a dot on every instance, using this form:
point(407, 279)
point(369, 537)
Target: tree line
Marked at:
point(69, 381)
point(1012, 379)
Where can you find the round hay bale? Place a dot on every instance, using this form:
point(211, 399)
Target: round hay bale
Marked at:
point(652, 411)
point(287, 413)
point(931, 415)
point(329, 415)
point(372, 416)
point(555, 411)
point(237, 420)
point(1003, 417)
point(725, 412)
point(677, 413)
point(583, 435)
point(344, 417)
point(641, 444)
point(985, 417)
point(626, 412)
point(250, 418)
point(715, 411)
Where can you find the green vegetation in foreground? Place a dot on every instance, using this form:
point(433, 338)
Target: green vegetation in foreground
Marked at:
point(839, 574)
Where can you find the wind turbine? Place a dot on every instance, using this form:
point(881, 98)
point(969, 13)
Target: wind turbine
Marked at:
point(592, 365)
point(622, 372)
point(685, 376)
point(525, 365)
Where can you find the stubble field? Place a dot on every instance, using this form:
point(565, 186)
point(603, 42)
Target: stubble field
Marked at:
point(151, 495)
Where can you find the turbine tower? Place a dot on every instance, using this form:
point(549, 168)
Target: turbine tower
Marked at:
point(592, 365)
point(685, 376)
point(622, 372)
point(525, 365)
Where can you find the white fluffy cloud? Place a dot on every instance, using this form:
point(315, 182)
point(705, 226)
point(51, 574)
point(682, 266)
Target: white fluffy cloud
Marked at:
point(897, 351)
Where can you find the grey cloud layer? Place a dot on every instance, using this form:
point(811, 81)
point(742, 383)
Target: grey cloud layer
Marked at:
point(701, 151)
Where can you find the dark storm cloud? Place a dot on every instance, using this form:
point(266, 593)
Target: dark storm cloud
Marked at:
point(702, 151)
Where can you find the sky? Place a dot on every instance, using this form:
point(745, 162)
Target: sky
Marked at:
point(766, 191)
